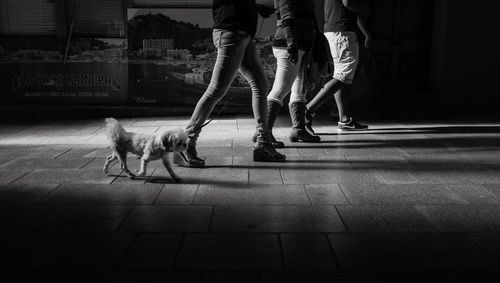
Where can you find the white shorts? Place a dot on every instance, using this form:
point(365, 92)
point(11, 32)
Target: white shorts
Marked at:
point(345, 52)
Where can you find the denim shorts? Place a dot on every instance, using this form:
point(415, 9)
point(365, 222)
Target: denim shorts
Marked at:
point(345, 52)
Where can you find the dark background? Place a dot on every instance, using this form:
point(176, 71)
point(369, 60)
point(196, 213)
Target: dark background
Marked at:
point(436, 55)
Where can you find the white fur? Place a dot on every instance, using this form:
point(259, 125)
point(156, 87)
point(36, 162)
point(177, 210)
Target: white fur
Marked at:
point(147, 147)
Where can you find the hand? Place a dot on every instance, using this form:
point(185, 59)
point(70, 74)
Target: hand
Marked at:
point(293, 55)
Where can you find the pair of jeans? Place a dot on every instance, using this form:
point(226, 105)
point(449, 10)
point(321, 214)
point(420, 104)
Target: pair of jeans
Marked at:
point(289, 77)
point(236, 51)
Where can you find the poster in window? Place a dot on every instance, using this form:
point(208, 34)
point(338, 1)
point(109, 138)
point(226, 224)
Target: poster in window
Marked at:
point(172, 55)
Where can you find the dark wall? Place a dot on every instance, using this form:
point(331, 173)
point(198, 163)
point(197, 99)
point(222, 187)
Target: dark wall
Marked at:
point(465, 58)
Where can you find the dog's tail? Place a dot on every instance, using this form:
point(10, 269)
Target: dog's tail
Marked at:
point(114, 130)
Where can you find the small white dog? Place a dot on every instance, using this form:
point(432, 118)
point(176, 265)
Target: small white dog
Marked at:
point(147, 147)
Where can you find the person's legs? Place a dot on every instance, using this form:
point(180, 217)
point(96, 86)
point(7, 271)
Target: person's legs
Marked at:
point(297, 108)
point(342, 101)
point(254, 73)
point(345, 52)
point(324, 94)
point(286, 73)
point(231, 48)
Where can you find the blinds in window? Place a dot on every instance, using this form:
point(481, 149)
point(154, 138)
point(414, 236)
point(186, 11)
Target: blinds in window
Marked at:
point(182, 3)
point(98, 18)
point(28, 17)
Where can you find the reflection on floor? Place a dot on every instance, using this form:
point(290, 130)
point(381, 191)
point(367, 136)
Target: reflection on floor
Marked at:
point(403, 201)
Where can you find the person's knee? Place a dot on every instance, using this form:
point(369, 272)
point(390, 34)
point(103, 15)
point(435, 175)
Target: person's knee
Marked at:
point(275, 99)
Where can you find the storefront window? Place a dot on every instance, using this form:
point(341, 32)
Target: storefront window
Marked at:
point(28, 17)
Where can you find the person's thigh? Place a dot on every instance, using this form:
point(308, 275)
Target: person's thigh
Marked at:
point(252, 69)
point(298, 93)
point(231, 48)
point(345, 52)
point(286, 72)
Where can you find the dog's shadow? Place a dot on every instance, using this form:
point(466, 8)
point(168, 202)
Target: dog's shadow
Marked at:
point(193, 181)
point(160, 180)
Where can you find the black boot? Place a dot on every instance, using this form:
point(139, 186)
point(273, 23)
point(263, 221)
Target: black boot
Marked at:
point(273, 109)
point(309, 121)
point(189, 158)
point(299, 132)
point(263, 150)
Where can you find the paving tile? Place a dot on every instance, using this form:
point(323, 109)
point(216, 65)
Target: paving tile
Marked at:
point(393, 176)
point(313, 150)
point(21, 217)
point(45, 163)
point(153, 252)
point(76, 153)
point(363, 219)
point(105, 194)
point(326, 195)
point(327, 176)
point(133, 276)
point(123, 180)
point(489, 242)
point(307, 252)
point(230, 277)
point(422, 146)
point(335, 276)
point(104, 218)
point(494, 189)
point(25, 193)
point(391, 162)
point(475, 194)
point(8, 176)
point(97, 163)
point(400, 194)
point(211, 175)
point(484, 218)
point(269, 219)
point(265, 176)
point(78, 251)
point(168, 219)
point(406, 219)
point(177, 194)
point(403, 251)
point(72, 176)
point(252, 195)
point(63, 218)
point(229, 252)
point(457, 176)
point(362, 148)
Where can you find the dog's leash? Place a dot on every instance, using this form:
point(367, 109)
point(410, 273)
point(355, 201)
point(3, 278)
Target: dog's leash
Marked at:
point(216, 114)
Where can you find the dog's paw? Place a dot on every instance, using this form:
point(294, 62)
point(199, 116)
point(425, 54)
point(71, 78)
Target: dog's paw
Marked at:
point(130, 175)
point(105, 170)
point(140, 173)
point(176, 179)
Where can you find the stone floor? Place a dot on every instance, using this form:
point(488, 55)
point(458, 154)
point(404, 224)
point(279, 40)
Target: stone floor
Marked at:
point(405, 202)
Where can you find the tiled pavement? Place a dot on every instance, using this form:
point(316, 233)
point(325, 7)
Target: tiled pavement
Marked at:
point(406, 202)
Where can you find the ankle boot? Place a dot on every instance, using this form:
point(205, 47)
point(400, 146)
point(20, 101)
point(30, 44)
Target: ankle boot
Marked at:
point(263, 150)
point(309, 120)
point(273, 110)
point(189, 158)
point(299, 132)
